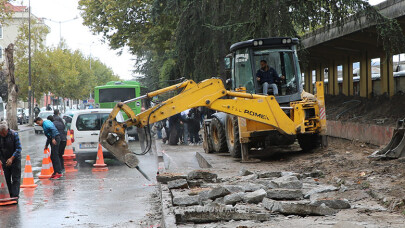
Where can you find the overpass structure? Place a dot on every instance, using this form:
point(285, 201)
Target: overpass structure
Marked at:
point(339, 47)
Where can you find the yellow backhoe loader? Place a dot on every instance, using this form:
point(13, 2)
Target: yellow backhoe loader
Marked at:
point(253, 117)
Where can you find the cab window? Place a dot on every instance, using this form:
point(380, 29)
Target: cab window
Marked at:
point(283, 62)
point(243, 71)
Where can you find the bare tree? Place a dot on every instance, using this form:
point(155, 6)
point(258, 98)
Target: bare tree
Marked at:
point(12, 88)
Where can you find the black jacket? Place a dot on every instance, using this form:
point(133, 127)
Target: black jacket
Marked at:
point(58, 122)
point(10, 146)
point(270, 76)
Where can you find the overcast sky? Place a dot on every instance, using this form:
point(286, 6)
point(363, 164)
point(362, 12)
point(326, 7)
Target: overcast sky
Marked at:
point(78, 36)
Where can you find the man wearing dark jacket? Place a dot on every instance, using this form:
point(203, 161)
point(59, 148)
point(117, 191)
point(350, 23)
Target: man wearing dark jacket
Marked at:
point(58, 122)
point(267, 76)
point(10, 158)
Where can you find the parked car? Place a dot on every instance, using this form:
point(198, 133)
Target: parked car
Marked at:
point(22, 116)
point(86, 125)
point(38, 129)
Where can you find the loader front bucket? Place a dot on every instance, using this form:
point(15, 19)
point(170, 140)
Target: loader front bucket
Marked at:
point(396, 147)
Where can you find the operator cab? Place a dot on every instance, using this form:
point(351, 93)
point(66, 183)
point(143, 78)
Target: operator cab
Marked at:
point(280, 54)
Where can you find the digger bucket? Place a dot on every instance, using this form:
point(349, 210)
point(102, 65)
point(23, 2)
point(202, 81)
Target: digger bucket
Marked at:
point(396, 147)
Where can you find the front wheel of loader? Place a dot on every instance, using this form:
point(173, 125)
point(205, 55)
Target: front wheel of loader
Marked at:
point(218, 136)
point(309, 142)
point(232, 136)
point(207, 141)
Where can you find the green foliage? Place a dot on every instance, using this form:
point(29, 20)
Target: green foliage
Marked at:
point(59, 70)
point(175, 38)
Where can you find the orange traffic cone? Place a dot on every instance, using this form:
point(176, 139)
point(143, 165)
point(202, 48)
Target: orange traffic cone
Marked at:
point(5, 198)
point(69, 156)
point(46, 171)
point(48, 151)
point(100, 166)
point(69, 149)
point(28, 181)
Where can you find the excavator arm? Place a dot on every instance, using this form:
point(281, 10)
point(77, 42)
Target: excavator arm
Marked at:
point(212, 94)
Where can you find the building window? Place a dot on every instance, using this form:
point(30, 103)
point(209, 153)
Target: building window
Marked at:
point(1, 31)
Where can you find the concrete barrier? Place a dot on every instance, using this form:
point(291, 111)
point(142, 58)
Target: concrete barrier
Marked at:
point(368, 133)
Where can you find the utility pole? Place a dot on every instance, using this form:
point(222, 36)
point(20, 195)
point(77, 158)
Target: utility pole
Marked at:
point(29, 65)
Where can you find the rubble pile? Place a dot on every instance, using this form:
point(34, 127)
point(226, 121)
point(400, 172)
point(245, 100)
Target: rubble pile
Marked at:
point(201, 196)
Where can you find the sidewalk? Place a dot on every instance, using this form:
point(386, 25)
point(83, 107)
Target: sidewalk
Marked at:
point(25, 127)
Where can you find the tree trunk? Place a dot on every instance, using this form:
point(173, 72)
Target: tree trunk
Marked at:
point(12, 89)
point(64, 104)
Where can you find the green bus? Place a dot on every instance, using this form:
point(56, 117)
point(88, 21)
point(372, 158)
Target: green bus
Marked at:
point(108, 95)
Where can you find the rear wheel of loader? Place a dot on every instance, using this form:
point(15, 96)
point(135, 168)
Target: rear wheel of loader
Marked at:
point(309, 142)
point(232, 136)
point(218, 136)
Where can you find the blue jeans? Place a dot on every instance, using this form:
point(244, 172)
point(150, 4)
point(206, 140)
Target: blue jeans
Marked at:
point(266, 88)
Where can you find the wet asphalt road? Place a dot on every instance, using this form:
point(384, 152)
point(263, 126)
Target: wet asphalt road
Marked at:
point(117, 198)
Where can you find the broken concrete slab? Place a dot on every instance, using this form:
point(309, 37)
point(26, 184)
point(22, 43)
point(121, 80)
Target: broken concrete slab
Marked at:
point(216, 213)
point(286, 182)
point(166, 177)
point(218, 192)
point(250, 187)
point(249, 177)
point(219, 200)
point(244, 172)
point(286, 174)
point(288, 194)
point(176, 184)
point(168, 218)
point(234, 188)
point(201, 174)
point(320, 189)
point(302, 208)
point(254, 197)
point(185, 200)
point(195, 183)
point(276, 174)
point(233, 198)
point(333, 203)
point(203, 195)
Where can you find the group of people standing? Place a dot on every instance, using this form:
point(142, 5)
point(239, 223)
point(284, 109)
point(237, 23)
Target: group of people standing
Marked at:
point(181, 128)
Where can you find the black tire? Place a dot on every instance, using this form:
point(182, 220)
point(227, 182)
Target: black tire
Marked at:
point(218, 136)
point(232, 136)
point(309, 142)
point(207, 142)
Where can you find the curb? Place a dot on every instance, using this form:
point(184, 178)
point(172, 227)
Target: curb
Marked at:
point(202, 162)
point(168, 216)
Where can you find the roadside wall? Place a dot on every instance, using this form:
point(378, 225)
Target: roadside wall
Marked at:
point(368, 133)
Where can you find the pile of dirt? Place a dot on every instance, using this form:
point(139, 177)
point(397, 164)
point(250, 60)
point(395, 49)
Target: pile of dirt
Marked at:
point(380, 110)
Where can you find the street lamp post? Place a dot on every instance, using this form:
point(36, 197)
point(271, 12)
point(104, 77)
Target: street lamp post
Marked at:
point(60, 25)
point(29, 65)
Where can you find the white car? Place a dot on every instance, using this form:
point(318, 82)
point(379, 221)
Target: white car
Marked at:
point(86, 125)
point(44, 115)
